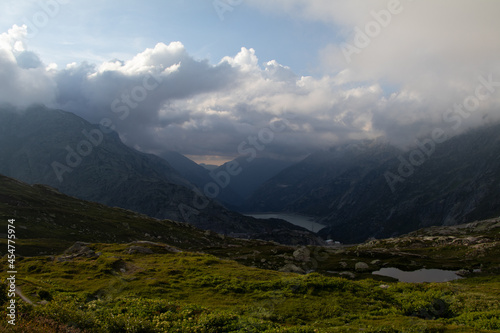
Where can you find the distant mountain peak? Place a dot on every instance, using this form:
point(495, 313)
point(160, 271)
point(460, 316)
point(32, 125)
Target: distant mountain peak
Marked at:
point(346, 187)
point(62, 150)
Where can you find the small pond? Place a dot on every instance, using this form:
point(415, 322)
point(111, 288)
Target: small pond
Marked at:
point(421, 275)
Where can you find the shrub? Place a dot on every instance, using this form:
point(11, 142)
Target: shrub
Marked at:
point(45, 295)
point(3, 293)
point(487, 320)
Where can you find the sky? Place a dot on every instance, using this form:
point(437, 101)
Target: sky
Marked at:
point(215, 80)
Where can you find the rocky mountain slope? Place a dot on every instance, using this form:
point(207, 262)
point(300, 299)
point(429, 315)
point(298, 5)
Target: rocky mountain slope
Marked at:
point(234, 189)
point(199, 176)
point(371, 189)
point(252, 173)
point(57, 148)
point(48, 221)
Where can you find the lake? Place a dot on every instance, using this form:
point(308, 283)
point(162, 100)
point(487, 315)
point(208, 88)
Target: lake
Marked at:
point(421, 275)
point(300, 220)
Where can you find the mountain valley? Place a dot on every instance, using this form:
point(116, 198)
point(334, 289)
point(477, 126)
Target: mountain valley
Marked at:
point(120, 244)
point(91, 268)
point(40, 145)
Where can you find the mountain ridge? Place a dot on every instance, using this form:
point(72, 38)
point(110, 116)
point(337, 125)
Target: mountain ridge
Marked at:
point(347, 188)
point(111, 173)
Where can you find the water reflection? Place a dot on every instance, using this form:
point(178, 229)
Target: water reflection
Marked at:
point(422, 275)
point(300, 220)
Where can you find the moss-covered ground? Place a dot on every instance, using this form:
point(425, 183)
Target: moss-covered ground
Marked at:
point(139, 274)
point(125, 288)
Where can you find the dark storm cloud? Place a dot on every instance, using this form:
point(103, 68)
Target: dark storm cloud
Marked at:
point(164, 99)
point(28, 59)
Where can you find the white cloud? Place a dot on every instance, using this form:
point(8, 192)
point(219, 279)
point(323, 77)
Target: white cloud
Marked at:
point(22, 79)
point(246, 60)
point(156, 60)
point(452, 39)
point(428, 58)
point(435, 50)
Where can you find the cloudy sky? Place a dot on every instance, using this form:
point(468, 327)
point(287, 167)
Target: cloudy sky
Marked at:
point(200, 77)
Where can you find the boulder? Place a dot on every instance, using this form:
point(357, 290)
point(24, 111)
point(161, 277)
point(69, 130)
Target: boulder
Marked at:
point(348, 274)
point(302, 254)
point(361, 267)
point(79, 249)
point(291, 268)
point(139, 249)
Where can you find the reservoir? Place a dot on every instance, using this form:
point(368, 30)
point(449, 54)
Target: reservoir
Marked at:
point(421, 275)
point(303, 221)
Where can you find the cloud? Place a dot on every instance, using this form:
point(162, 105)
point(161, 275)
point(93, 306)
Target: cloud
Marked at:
point(28, 59)
point(319, 111)
point(202, 109)
point(429, 53)
point(22, 79)
point(451, 39)
point(164, 99)
point(426, 60)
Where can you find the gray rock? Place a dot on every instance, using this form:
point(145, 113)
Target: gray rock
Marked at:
point(291, 268)
point(139, 249)
point(151, 185)
point(361, 267)
point(348, 274)
point(302, 254)
point(463, 272)
point(79, 249)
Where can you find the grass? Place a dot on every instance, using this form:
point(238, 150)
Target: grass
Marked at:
point(162, 291)
point(204, 282)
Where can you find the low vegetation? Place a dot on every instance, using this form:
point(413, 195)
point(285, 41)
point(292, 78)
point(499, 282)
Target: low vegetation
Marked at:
point(151, 287)
point(90, 268)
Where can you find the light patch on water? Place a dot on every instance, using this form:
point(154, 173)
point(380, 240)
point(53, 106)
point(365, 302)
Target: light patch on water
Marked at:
point(300, 220)
point(421, 275)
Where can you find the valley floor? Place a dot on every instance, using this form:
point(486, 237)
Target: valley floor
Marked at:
point(153, 287)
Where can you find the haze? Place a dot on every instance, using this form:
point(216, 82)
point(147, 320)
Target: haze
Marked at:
point(201, 77)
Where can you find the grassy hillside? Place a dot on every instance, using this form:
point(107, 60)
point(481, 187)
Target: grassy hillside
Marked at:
point(148, 287)
point(49, 222)
point(91, 268)
point(113, 174)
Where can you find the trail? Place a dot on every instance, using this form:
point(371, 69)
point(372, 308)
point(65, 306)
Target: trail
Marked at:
point(24, 298)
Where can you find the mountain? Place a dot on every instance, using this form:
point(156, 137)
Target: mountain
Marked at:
point(187, 168)
point(48, 221)
point(59, 149)
point(308, 186)
point(84, 267)
point(197, 175)
point(233, 187)
point(371, 189)
point(209, 167)
point(252, 173)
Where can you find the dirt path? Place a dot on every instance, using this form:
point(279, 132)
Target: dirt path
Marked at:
point(24, 298)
